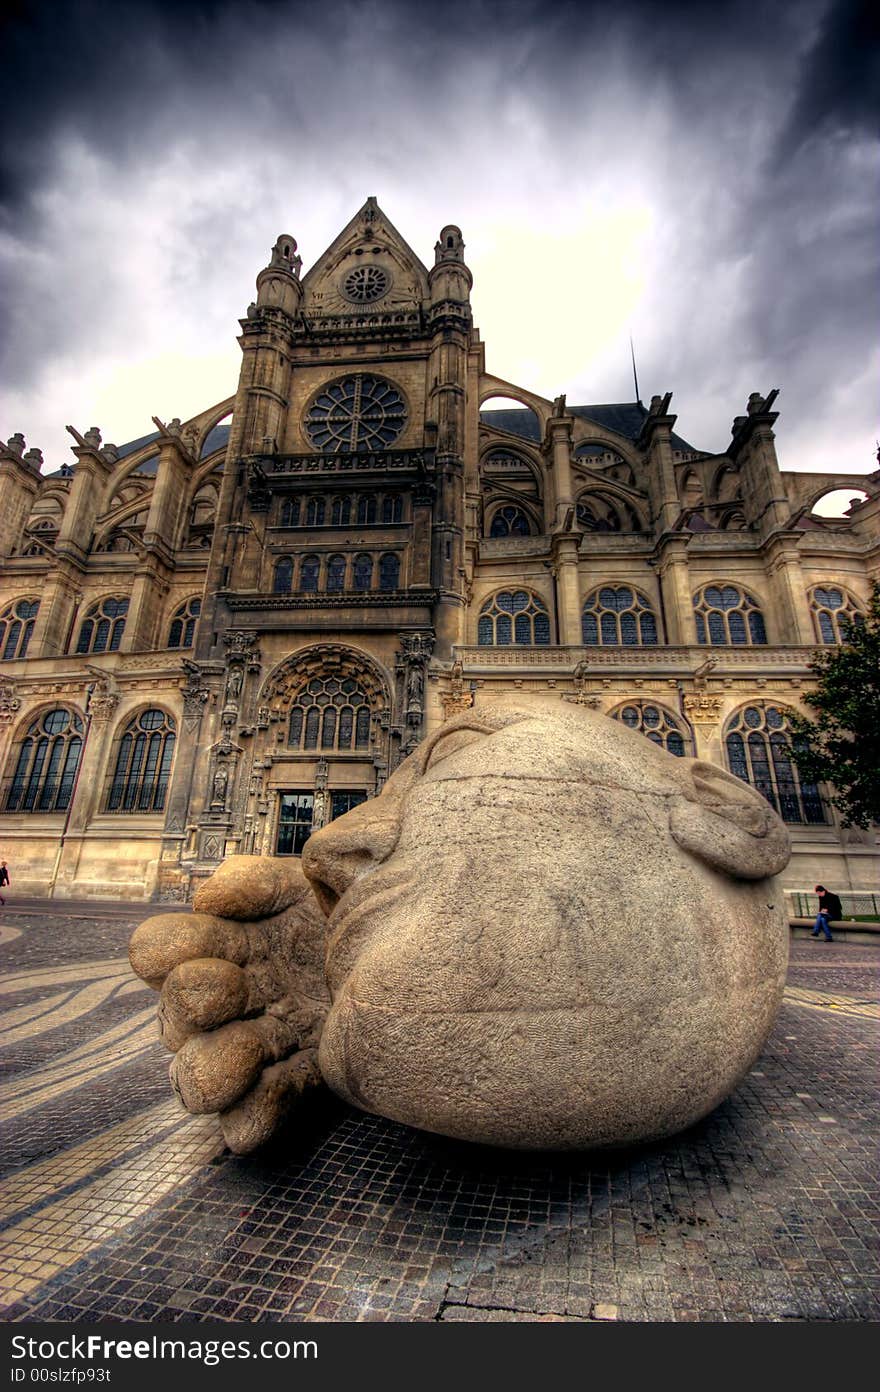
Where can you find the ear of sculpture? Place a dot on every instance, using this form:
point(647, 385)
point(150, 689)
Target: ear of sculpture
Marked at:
point(727, 824)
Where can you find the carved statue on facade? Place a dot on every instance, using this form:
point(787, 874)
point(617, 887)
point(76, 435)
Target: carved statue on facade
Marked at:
point(234, 683)
point(546, 932)
point(219, 786)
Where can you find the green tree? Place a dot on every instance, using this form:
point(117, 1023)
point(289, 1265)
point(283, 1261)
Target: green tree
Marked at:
point(842, 745)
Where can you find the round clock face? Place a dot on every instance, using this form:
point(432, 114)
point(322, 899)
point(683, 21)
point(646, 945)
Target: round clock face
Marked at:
point(365, 284)
point(359, 412)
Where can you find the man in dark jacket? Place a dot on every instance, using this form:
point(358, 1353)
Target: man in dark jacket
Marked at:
point(830, 909)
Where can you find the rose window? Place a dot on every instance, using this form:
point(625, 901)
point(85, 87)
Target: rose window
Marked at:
point(360, 412)
point(365, 284)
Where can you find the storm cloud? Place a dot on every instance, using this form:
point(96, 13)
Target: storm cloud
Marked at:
point(704, 178)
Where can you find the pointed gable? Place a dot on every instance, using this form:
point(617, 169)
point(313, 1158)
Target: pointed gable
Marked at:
point(368, 270)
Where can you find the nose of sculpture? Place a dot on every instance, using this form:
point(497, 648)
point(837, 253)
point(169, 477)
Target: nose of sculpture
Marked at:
point(351, 846)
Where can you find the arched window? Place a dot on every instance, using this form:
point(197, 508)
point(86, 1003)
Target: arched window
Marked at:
point(143, 764)
point(45, 770)
point(183, 625)
point(308, 574)
point(103, 627)
point(282, 579)
point(757, 743)
point(510, 521)
point(392, 508)
point(331, 713)
point(655, 722)
point(513, 616)
point(727, 615)
point(204, 507)
point(289, 515)
point(389, 571)
point(597, 515)
point(341, 513)
point(315, 512)
point(363, 572)
point(834, 613)
point(359, 412)
point(366, 508)
point(16, 627)
point(116, 541)
point(335, 574)
point(618, 616)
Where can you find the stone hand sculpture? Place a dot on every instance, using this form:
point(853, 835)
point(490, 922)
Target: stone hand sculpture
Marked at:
point(546, 932)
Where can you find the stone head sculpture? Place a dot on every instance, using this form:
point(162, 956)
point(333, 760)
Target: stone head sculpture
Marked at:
point(546, 932)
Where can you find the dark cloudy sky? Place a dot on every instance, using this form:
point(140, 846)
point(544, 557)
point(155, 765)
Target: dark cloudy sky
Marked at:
point(703, 176)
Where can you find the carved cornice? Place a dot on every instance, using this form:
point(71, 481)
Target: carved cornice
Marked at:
point(678, 661)
point(492, 548)
point(347, 599)
point(279, 466)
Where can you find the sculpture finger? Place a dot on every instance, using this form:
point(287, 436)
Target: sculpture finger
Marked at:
point(258, 1115)
point(211, 1072)
point(249, 887)
point(203, 993)
point(161, 943)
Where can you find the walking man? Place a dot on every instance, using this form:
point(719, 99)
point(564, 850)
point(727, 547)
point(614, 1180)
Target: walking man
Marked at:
point(830, 909)
point(4, 879)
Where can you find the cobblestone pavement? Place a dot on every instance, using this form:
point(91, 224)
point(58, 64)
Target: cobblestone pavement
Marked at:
point(116, 1205)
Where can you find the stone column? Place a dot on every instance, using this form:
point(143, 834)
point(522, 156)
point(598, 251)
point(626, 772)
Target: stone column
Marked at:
point(703, 710)
point(675, 587)
point(558, 444)
point(55, 628)
point(565, 559)
point(656, 440)
point(789, 621)
point(449, 314)
point(423, 495)
point(161, 532)
point(91, 784)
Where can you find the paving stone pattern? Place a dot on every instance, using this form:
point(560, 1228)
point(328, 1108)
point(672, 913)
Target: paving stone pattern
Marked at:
point(116, 1205)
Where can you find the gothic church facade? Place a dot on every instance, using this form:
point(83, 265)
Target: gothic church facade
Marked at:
point(219, 636)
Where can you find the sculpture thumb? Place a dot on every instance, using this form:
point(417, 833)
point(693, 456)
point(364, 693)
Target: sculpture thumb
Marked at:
point(728, 825)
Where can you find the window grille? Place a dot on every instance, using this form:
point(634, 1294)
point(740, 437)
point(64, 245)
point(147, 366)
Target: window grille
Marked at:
point(511, 617)
point(359, 412)
point(618, 616)
point(834, 613)
point(308, 574)
point(757, 742)
point(392, 508)
point(726, 615)
point(45, 771)
point(103, 627)
point(143, 764)
point(510, 521)
point(363, 572)
point(335, 574)
point(655, 722)
point(331, 713)
point(282, 580)
point(389, 571)
point(183, 624)
point(16, 628)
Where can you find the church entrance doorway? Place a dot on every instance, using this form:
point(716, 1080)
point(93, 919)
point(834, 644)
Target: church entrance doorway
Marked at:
point(294, 822)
